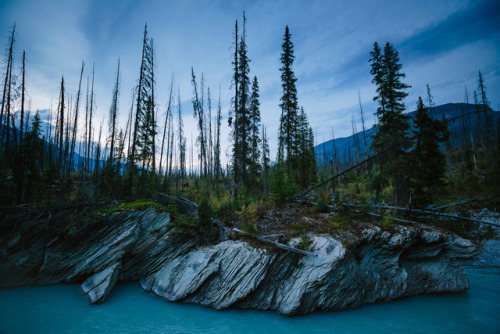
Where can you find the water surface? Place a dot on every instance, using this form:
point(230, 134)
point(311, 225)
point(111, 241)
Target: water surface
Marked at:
point(62, 309)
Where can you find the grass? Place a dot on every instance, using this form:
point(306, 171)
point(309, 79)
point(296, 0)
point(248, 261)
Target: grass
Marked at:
point(140, 204)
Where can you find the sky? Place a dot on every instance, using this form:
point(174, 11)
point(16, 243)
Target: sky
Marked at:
point(441, 43)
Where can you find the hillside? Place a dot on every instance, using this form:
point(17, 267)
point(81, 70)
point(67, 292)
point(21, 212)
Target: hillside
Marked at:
point(452, 112)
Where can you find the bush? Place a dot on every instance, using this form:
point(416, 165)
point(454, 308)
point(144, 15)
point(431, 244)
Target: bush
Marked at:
point(387, 223)
point(304, 242)
point(323, 202)
point(340, 221)
point(185, 225)
point(248, 217)
point(282, 184)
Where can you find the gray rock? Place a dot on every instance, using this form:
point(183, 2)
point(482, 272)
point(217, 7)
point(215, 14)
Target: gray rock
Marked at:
point(369, 266)
point(98, 286)
point(489, 254)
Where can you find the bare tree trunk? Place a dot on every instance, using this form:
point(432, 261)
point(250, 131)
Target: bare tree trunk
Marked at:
point(167, 118)
point(75, 124)
point(113, 113)
point(90, 116)
point(61, 124)
point(138, 108)
point(7, 84)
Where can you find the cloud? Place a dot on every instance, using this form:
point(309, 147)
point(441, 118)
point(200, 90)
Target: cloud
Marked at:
point(443, 43)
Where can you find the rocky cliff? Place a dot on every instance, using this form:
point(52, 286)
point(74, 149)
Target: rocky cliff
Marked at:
point(373, 265)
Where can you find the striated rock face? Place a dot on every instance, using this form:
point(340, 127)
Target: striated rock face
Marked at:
point(98, 286)
point(376, 265)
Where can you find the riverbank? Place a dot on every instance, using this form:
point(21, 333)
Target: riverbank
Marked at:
point(350, 268)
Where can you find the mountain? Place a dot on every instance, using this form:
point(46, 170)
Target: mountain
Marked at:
point(458, 115)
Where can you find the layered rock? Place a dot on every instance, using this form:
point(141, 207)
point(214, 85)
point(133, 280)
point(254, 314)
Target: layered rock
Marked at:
point(372, 265)
point(98, 286)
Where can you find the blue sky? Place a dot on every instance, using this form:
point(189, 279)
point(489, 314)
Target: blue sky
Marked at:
point(441, 43)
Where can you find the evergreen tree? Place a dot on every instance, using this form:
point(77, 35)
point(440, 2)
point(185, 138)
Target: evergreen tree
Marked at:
point(33, 147)
point(393, 126)
point(199, 115)
point(217, 164)
point(144, 133)
point(231, 123)
point(254, 120)
point(288, 105)
point(265, 162)
point(307, 169)
point(427, 161)
point(243, 121)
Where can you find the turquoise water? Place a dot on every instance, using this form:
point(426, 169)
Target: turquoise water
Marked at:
point(62, 309)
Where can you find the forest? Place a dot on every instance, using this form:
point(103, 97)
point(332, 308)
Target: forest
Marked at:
point(412, 170)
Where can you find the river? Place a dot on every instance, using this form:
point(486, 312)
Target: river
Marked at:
point(128, 309)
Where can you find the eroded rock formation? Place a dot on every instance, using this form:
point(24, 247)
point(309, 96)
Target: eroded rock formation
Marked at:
point(375, 265)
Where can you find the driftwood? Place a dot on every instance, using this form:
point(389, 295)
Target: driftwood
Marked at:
point(439, 214)
point(427, 212)
point(275, 243)
point(449, 205)
point(377, 215)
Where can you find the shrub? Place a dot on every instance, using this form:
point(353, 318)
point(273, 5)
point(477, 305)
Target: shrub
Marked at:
point(387, 223)
point(248, 217)
point(305, 242)
point(185, 225)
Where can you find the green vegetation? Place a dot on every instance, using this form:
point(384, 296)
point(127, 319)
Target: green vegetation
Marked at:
point(139, 204)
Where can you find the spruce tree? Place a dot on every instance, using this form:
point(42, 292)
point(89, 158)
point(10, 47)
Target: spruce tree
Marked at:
point(231, 123)
point(254, 120)
point(33, 147)
point(265, 162)
point(427, 161)
point(288, 105)
point(393, 126)
point(217, 164)
point(243, 121)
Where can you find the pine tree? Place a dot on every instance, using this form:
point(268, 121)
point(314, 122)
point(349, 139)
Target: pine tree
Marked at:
point(217, 164)
point(254, 120)
point(288, 105)
point(265, 162)
point(307, 169)
point(235, 136)
point(34, 158)
point(142, 100)
point(243, 121)
point(427, 161)
point(199, 115)
point(393, 126)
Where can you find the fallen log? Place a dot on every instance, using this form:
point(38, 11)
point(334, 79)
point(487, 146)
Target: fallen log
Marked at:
point(275, 243)
point(428, 212)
